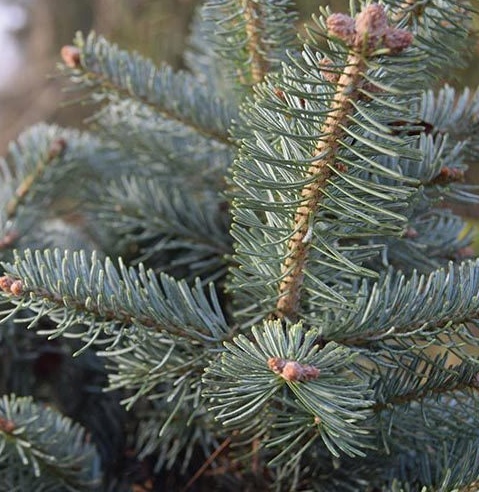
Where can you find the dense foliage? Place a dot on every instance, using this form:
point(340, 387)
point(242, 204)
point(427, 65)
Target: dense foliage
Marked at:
point(255, 257)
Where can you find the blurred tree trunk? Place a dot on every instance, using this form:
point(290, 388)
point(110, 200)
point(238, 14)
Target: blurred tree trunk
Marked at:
point(34, 94)
point(157, 29)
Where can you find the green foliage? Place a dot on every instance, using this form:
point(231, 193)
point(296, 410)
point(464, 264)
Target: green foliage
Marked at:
point(251, 395)
point(251, 38)
point(40, 446)
point(262, 264)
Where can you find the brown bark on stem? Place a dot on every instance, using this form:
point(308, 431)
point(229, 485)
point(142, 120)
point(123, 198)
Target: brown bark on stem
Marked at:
point(259, 65)
point(312, 194)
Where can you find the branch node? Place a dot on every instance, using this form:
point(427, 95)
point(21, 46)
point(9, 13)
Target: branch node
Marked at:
point(292, 370)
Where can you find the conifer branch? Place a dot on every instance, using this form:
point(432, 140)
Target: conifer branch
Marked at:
point(34, 282)
point(363, 36)
point(419, 328)
point(180, 220)
point(250, 37)
point(379, 316)
point(326, 377)
point(419, 394)
point(15, 286)
point(39, 180)
point(248, 382)
point(320, 172)
point(96, 63)
point(29, 181)
point(57, 148)
point(50, 448)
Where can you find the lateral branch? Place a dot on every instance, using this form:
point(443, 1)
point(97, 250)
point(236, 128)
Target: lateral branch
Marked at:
point(258, 63)
point(72, 58)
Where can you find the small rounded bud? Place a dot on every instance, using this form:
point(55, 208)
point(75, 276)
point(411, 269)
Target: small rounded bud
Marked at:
point(465, 252)
point(310, 372)
point(276, 364)
point(341, 26)
point(292, 371)
point(410, 233)
point(6, 282)
point(57, 148)
point(9, 239)
point(397, 40)
point(71, 56)
point(448, 175)
point(17, 288)
point(6, 425)
point(341, 167)
point(372, 23)
point(279, 94)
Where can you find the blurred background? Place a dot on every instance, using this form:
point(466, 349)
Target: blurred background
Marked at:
point(32, 33)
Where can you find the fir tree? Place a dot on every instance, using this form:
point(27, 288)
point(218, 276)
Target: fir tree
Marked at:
point(256, 257)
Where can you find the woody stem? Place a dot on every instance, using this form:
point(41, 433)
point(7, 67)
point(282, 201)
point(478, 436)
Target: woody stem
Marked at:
point(312, 193)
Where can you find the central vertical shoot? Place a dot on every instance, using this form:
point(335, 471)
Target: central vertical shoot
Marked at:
point(320, 171)
point(363, 36)
point(258, 62)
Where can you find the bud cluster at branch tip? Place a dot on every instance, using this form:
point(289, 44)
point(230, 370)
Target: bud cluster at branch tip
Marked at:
point(369, 31)
point(291, 370)
point(410, 233)
point(6, 425)
point(449, 175)
point(11, 286)
point(57, 148)
point(71, 56)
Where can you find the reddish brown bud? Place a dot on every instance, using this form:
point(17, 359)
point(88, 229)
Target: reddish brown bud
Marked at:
point(448, 175)
point(341, 167)
point(279, 94)
point(276, 364)
point(146, 486)
point(17, 288)
point(397, 40)
point(371, 25)
point(291, 370)
point(7, 425)
point(310, 372)
point(71, 56)
point(6, 282)
point(57, 147)
point(410, 233)
point(465, 252)
point(341, 26)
